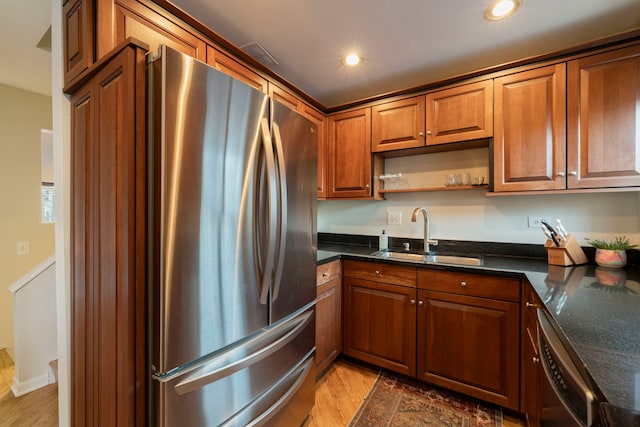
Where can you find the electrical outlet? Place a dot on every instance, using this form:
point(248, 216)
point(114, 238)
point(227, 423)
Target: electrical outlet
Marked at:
point(394, 217)
point(536, 221)
point(22, 248)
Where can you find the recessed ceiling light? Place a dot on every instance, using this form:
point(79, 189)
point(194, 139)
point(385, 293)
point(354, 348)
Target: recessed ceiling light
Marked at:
point(352, 59)
point(500, 9)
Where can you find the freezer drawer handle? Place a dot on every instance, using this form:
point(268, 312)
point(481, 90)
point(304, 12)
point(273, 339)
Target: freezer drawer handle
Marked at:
point(263, 419)
point(199, 380)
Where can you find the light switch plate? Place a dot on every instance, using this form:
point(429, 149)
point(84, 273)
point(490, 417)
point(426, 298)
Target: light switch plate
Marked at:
point(22, 248)
point(394, 217)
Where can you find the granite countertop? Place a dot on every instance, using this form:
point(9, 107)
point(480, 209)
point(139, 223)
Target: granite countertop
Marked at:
point(597, 309)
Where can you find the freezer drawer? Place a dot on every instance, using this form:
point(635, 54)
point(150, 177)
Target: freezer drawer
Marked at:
point(264, 381)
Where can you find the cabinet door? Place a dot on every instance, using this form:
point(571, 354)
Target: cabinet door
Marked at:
point(398, 124)
point(328, 324)
point(460, 113)
point(349, 165)
point(529, 147)
point(604, 120)
point(321, 122)
point(138, 21)
point(223, 62)
point(530, 364)
point(107, 290)
point(285, 97)
point(77, 20)
point(380, 324)
point(470, 345)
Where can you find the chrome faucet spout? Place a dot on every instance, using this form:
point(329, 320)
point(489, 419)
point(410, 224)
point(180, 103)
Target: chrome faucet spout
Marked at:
point(425, 214)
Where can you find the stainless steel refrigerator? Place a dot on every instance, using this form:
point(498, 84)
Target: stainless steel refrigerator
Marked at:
point(232, 202)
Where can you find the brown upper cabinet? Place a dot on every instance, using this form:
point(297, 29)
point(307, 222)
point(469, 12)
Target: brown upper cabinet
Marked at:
point(349, 155)
point(530, 127)
point(603, 138)
point(223, 62)
point(144, 24)
point(398, 124)
point(320, 119)
point(77, 20)
point(570, 125)
point(285, 97)
point(460, 113)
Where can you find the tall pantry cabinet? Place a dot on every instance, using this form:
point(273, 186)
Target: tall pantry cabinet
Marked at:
point(108, 244)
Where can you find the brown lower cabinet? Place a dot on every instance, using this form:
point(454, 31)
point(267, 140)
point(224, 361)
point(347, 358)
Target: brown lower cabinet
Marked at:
point(380, 314)
point(457, 330)
point(108, 234)
point(530, 373)
point(328, 314)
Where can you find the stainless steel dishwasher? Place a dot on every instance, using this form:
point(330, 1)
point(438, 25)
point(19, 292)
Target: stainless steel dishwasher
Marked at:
point(566, 397)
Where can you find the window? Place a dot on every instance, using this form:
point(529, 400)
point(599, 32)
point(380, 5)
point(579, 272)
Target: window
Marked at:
point(47, 189)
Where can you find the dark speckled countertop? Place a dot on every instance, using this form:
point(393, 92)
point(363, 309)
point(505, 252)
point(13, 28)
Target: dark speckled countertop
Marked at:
point(600, 321)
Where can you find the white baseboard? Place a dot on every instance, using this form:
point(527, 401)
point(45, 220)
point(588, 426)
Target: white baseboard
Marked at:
point(20, 388)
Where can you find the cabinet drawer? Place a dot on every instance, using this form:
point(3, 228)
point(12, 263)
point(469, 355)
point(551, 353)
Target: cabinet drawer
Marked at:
point(327, 272)
point(478, 285)
point(379, 272)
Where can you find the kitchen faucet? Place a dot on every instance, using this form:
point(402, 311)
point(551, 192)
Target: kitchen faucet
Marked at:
point(425, 214)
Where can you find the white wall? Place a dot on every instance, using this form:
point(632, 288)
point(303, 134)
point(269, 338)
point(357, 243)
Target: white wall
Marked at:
point(35, 327)
point(470, 215)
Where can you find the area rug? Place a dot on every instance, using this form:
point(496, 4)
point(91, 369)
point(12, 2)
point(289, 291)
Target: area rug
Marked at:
point(396, 401)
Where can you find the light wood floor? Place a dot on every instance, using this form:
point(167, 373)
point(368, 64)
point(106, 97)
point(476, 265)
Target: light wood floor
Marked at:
point(341, 391)
point(339, 394)
point(38, 408)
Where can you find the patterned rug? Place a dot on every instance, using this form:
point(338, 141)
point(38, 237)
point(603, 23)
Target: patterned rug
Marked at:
point(396, 401)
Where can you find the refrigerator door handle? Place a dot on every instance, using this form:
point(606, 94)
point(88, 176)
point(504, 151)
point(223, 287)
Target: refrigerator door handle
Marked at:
point(282, 217)
point(302, 372)
point(268, 259)
point(290, 331)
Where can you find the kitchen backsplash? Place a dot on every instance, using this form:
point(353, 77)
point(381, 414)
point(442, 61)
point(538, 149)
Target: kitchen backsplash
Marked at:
point(470, 216)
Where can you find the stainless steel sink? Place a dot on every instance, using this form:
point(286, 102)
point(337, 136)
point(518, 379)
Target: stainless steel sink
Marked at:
point(429, 258)
point(452, 259)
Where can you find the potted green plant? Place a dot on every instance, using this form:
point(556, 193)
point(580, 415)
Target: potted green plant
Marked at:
point(611, 253)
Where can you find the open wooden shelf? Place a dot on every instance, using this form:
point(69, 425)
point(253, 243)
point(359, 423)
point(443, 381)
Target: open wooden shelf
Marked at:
point(452, 188)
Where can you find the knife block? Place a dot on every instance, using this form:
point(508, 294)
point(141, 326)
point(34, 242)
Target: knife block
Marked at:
point(568, 253)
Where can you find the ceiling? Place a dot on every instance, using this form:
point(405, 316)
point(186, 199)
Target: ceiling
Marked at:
point(404, 43)
point(23, 64)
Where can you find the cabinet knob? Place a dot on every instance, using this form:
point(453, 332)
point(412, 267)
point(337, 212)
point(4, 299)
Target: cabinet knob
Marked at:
point(420, 134)
point(560, 174)
point(573, 173)
point(366, 186)
point(325, 274)
point(412, 301)
point(377, 272)
point(530, 305)
point(428, 132)
point(535, 359)
point(463, 284)
point(420, 302)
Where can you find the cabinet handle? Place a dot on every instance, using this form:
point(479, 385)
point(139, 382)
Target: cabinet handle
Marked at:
point(412, 301)
point(463, 284)
point(420, 302)
point(535, 359)
point(325, 274)
point(530, 305)
point(560, 173)
point(573, 173)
